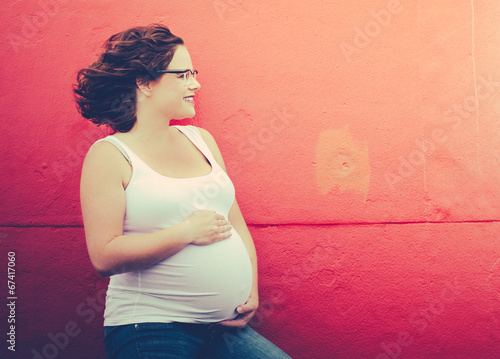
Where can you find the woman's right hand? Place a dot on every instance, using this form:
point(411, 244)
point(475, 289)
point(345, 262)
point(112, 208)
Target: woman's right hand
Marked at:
point(206, 227)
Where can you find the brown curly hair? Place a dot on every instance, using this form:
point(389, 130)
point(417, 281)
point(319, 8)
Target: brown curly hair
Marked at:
point(105, 92)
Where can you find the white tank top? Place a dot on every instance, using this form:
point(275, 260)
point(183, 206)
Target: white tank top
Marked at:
point(199, 284)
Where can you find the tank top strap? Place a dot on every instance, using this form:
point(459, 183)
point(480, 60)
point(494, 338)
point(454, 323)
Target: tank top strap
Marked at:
point(118, 144)
point(194, 134)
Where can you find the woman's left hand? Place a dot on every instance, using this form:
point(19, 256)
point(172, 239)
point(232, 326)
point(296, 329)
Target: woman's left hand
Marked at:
point(245, 313)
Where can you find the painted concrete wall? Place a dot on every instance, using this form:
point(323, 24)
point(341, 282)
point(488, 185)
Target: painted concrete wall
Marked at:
point(363, 140)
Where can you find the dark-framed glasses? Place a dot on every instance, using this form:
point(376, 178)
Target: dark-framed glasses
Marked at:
point(187, 74)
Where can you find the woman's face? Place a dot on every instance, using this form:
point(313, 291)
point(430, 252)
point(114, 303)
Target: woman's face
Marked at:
point(171, 95)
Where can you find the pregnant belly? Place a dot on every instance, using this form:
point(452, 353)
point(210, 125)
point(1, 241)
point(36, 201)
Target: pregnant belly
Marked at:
point(197, 284)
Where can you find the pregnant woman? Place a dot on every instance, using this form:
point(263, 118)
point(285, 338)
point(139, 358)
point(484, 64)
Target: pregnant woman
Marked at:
point(159, 210)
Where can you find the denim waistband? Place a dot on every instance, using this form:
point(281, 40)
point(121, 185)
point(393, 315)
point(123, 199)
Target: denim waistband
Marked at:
point(213, 328)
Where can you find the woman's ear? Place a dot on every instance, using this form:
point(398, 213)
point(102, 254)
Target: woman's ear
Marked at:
point(143, 86)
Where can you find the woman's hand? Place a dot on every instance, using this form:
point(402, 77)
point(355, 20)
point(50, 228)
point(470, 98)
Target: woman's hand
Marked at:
point(246, 312)
point(206, 227)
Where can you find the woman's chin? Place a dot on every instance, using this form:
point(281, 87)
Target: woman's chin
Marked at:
point(184, 116)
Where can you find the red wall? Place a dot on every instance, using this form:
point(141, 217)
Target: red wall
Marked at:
point(362, 137)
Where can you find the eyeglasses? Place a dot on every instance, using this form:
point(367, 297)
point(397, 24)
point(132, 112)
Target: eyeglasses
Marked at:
point(186, 74)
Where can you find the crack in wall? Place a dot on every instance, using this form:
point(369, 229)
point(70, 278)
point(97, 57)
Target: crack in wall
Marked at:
point(285, 224)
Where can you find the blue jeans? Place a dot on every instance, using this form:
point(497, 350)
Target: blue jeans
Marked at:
point(187, 341)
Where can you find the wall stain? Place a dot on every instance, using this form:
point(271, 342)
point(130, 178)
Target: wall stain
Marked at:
point(341, 162)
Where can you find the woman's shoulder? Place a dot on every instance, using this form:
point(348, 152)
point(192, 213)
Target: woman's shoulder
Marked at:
point(107, 151)
point(104, 145)
point(106, 165)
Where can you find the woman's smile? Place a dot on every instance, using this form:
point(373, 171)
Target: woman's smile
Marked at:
point(189, 99)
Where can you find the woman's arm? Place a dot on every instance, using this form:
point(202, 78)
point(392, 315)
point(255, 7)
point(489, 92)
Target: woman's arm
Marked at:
point(102, 195)
point(248, 309)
